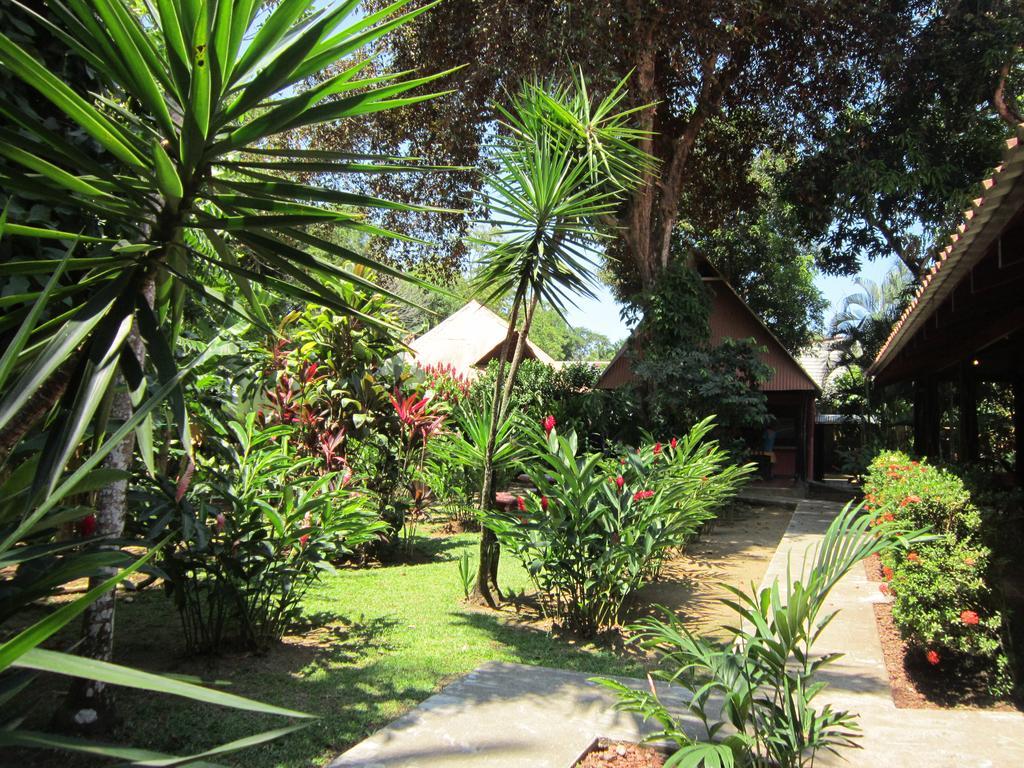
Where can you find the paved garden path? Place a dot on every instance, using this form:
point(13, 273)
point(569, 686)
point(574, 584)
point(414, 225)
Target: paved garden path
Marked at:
point(514, 716)
point(858, 682)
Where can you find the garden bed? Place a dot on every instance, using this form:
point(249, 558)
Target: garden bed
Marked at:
point(913, 683)
point(605, 753)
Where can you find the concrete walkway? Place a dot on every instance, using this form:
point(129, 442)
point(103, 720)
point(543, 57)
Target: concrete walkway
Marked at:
point(514, 716)
point(859, 683)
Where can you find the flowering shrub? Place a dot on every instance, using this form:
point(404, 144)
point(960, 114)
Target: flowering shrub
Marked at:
point(598, 527)
point(942, 599)
point(257, 528)
point(446, 382)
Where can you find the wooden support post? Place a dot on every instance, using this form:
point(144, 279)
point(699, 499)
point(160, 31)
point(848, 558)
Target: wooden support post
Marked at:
point(967, 396)
point(926, 417)
point(1018, 425)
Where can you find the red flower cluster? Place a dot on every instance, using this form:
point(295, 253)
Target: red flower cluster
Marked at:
point(641, 495)
point(520, 503)
point(887, 572)
point(549, 423)
point(87, 526)
point(933, 657)
point(970, 618)
point(913, 557)
point(910, 500)
point(446, 381)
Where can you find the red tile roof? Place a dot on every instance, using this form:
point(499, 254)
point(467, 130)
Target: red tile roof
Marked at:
point(955, 260)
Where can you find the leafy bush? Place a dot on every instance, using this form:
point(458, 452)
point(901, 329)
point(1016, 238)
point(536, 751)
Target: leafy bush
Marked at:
point(766, 673)
point(681, 377)
point(262, 527)
point(541, 389)
point(598, 527)
point(943, 602)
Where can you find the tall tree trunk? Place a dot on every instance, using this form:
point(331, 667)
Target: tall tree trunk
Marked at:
point(488, 542)
point(506, 399)
point(89, 706)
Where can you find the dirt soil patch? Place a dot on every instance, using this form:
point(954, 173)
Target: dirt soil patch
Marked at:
point(622, 754)
point(735, 551)
point(913, 682)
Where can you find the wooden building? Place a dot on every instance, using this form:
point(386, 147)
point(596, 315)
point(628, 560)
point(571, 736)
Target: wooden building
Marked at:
point(966, 321)
point(790, 392)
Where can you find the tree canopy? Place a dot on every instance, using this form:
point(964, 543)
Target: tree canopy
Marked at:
point(892, 112)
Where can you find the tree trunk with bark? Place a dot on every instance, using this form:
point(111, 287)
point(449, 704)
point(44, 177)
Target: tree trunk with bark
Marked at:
point(89, 707)
point(488, 542)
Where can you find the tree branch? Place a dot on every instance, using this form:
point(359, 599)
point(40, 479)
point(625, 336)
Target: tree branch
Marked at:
point(1005, 108)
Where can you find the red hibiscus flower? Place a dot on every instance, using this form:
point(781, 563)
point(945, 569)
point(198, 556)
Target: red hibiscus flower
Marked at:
point(87, 526)
point(970, 618)
point(933, 657)
point(620, 481)
point(887, 572)
point(549, 423)
point(520, 503)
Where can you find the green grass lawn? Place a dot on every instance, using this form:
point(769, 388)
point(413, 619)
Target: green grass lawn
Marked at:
point(379, 641)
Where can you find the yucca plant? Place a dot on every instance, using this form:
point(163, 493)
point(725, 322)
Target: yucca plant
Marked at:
point(767, 675)
point(564, 161)
point(185, 184)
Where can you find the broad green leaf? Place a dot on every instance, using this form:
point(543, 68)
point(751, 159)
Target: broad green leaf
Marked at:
point(20, 63)
point(92, 669)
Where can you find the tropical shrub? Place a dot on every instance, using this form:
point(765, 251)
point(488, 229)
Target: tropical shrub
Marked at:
point(257, 528)
point(541, 389)
point(598, 527)
point(766, 673)
point(943, 601)
point(37, 560)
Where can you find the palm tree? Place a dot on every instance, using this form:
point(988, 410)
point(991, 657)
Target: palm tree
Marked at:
point(193, 94)
point(563, 163)
point(864, 319)
point(861, 326)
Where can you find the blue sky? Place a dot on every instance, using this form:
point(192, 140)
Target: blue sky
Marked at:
point(602, 314)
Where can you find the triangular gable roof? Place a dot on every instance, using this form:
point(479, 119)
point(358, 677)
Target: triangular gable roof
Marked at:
point(731, 317)
point(466, 340)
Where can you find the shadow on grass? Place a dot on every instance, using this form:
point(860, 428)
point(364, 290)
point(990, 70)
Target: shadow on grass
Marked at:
point(537, 647)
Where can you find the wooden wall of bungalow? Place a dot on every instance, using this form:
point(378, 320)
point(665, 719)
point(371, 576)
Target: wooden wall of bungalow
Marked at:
point(790, 392)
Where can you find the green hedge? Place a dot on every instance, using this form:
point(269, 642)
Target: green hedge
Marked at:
point(943, 602)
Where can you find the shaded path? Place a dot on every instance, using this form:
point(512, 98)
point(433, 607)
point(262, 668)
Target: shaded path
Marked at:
point(736, 551)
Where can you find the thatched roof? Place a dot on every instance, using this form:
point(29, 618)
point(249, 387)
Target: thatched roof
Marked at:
point(468, 340)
